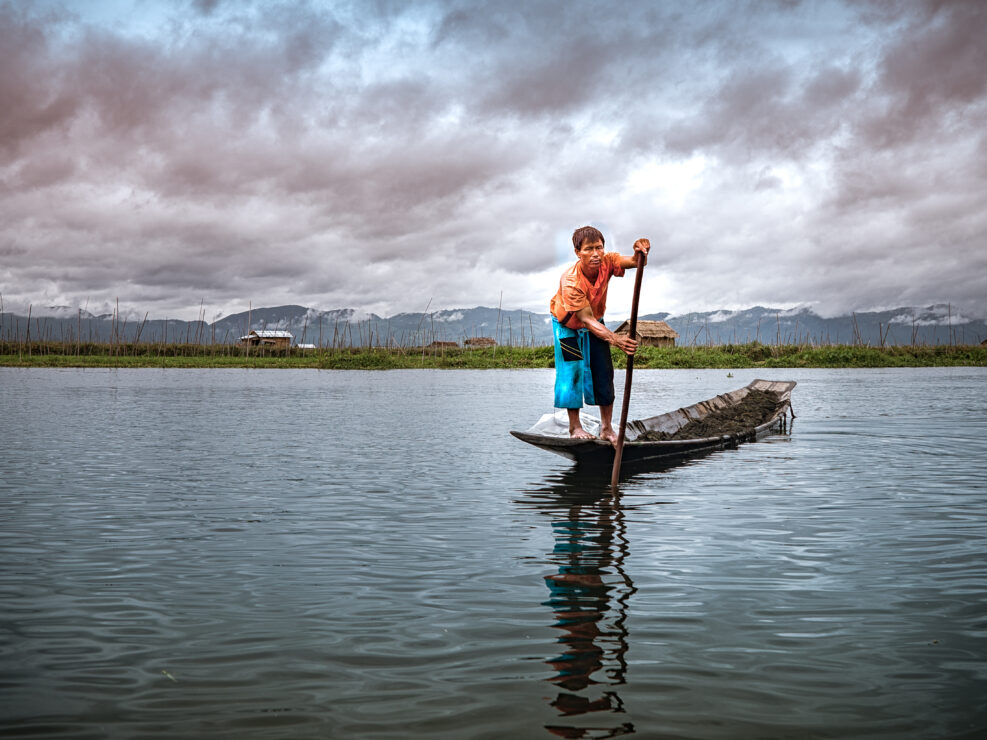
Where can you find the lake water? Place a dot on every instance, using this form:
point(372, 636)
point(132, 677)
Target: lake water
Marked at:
point(304, 554)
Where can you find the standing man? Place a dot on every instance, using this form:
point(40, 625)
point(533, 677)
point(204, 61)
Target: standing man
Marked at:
point(583, 366)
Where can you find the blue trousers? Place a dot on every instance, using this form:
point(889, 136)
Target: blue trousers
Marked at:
point(583, 369)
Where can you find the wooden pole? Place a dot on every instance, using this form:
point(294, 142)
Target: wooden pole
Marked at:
point(619, 449)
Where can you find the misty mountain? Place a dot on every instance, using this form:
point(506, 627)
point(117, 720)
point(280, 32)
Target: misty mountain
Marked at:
point(931, 325)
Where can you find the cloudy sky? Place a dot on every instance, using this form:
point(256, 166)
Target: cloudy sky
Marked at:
point(386, 155)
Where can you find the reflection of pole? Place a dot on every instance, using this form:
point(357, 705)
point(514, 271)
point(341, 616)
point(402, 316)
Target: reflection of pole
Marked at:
point(590, 607)
point(623, 595)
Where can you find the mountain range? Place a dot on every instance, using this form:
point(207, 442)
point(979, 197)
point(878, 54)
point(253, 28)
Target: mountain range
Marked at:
point(931, 325)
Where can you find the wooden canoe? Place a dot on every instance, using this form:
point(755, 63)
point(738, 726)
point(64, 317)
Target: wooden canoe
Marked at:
point(639, 449)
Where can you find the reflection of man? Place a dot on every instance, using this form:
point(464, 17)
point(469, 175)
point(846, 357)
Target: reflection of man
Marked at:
point(594, 638)
point(583, 366)
point(579, 599)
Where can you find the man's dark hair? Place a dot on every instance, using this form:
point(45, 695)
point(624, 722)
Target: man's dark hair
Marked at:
point(586, 234)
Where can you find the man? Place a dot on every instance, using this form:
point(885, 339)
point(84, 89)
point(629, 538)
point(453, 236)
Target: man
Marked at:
point(583, 366)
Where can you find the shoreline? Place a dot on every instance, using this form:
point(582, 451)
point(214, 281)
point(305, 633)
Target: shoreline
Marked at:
point(727, 357)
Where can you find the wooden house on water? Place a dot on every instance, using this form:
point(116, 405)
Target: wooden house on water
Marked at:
point(267, 338)
point(479, 342)
point(651, 333)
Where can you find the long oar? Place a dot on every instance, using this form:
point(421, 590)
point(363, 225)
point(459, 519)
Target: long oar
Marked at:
point(619, 451)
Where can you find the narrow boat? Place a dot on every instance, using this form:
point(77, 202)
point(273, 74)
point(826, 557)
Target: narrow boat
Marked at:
point(758, 409)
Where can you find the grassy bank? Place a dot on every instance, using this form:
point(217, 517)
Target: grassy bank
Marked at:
point(755, 354)
point(730, 356)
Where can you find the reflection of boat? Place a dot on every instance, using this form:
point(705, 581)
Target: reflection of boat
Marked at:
point(759, 409)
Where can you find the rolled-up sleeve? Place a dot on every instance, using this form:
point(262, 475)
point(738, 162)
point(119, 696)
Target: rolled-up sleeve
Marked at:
point(574, 297)
point(616, 269)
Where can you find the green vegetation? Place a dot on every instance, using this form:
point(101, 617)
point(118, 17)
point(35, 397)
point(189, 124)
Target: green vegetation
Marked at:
point(728, 356)
point(755, 354)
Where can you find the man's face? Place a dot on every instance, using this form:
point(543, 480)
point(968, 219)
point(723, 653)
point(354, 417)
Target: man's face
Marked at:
point(590, 255)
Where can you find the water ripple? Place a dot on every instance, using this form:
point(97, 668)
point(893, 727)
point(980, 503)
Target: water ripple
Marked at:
point(370, 555)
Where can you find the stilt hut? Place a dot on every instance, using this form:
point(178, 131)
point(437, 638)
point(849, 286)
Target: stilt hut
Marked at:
point(479, 342)
point(268, 338)
point(651, 333)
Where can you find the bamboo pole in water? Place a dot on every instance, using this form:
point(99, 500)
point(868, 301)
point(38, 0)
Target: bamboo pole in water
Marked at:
point(619, 448)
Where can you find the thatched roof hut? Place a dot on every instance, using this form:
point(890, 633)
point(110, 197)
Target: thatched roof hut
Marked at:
point(478, 342)
point(651, 333)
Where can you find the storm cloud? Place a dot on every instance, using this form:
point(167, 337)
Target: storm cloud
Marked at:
point(388, 156)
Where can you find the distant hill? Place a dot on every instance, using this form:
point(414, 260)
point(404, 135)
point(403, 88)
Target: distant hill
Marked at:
point(930, 325)
point(349, 327)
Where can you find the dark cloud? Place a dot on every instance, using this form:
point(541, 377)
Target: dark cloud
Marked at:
point(930, 78)
point(382, 154)
point(775, 109)
point(34, 87)
point(42, 171)
point(940, 59)
point(545, 59)
point(206, 7)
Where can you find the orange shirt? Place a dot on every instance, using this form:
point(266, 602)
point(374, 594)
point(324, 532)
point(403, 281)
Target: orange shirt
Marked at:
point(576, 291)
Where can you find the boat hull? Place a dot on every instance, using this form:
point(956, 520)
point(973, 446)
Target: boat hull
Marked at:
point(599, 452)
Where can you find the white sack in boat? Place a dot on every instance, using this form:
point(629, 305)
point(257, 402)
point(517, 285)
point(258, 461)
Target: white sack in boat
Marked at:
point(556, 424)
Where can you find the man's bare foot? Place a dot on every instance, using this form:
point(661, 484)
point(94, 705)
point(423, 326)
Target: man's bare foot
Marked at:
point(580, 433)
point(608, 435)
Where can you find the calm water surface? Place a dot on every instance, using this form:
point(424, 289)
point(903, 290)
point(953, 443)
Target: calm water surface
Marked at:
point(303, 554)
